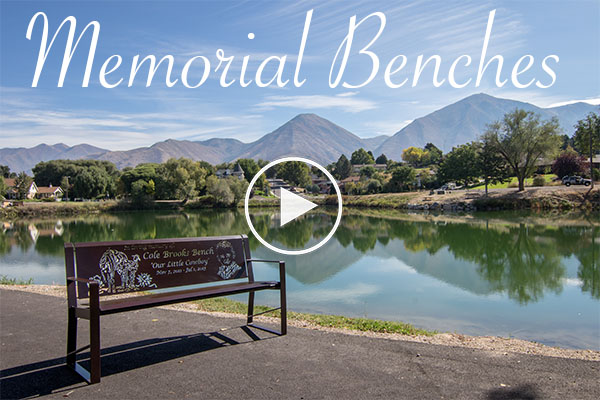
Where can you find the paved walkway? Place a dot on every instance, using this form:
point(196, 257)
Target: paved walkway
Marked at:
point(160, 354)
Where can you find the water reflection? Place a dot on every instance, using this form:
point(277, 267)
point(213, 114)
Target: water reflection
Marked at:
point(516, 255)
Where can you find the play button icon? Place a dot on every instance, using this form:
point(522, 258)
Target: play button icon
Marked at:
point(292, 206)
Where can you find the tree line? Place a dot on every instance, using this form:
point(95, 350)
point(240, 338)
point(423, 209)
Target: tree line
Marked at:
point(511, 147)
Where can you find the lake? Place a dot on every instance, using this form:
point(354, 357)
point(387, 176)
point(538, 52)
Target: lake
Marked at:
point(523, 275)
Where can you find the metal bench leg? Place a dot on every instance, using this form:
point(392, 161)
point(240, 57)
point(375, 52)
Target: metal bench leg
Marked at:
point(282, 298)
point(94, 337)
point(250, 307)
point(71, 337)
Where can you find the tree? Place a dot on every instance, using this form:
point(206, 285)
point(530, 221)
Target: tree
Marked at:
point(382, 159)
point(492, 166)
point(587, 137)
point(568, 163)
point(65, 185)
point(183, 179)
point(413, 156)
point(4, 171)
point(250, 168)
point(219, 189)
point(522, 139)
point(23, 183)
point(367, 172)
point(343, 168)
point(361, 156)
point(103, 176)
point(295, 173)
point(402, 178)
point(433, 156)
point(3, 188)
point(374, 186)
point(460, 165)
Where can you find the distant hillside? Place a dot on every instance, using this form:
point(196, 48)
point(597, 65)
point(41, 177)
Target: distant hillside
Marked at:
point(23, 159)
point(313, 137)
point(465, 120)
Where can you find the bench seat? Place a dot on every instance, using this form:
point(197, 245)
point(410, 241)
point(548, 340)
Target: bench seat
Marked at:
point(160, 299)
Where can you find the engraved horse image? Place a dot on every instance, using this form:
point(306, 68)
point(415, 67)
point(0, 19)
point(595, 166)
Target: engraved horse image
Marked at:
point(114, 261)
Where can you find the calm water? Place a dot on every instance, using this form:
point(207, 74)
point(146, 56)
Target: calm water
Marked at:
point(522, 275)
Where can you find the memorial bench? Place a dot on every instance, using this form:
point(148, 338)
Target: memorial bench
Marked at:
point(102, 276)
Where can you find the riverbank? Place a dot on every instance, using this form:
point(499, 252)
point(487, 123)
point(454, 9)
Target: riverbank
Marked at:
point(360, 326)
point(542, 198)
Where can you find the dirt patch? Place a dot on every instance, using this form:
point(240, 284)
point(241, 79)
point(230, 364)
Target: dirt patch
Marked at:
point(497, 346)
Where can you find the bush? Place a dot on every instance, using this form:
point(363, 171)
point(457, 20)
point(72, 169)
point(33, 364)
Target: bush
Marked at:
point(539, 180)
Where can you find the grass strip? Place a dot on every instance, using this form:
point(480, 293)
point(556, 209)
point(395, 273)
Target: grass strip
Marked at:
point(223, 304)
point(5, 280)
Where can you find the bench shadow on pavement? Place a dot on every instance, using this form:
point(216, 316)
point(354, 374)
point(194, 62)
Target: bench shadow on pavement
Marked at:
point(53, 376)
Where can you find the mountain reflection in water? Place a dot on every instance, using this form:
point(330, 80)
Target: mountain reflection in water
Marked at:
point(522, 258)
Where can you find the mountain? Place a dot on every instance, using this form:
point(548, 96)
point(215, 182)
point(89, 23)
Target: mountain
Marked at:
point(161, 152)
point(465, 120)
point(23, 159)
point(313, 137)
point(373, 143)
point(306, 135)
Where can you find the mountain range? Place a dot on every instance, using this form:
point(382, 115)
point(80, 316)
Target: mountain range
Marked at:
point(313, 137)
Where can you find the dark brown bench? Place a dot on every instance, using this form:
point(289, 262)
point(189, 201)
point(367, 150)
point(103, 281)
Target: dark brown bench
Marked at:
point(98, 272)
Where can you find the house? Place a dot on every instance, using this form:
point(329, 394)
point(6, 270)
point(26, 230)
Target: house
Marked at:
point(379, 167)
point(323, 183)
point(49, 192)
point(351, 179)
point(275, 185)
point(237, 172)
point(12, 192)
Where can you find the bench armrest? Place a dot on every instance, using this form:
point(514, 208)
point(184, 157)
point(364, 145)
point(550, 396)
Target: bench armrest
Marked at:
point(281, 266)
point(83, 280)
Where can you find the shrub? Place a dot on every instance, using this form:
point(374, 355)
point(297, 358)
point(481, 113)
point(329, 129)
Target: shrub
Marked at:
point(539, 180)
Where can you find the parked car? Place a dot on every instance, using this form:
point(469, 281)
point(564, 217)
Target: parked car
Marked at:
point(575, 180)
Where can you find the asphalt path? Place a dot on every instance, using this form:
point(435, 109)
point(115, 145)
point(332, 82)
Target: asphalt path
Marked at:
point(167, 354)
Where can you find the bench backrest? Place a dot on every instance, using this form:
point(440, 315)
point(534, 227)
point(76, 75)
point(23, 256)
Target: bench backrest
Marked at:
point(141, 265)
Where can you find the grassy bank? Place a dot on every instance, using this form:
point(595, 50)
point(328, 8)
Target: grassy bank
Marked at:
point(329, 321)
point(545, 198)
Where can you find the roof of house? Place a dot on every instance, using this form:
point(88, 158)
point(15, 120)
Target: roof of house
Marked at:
point(49, 189)
point(10, 182)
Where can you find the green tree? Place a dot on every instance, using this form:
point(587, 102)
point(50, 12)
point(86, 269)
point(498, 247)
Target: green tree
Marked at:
point(367, 172)
point(65, 185)
point(183, 179)
point(4, 171)
point(433, 155)
point(295, 173)
point(250, 168)
point(460, 165)
point(343, 168)
point(492, 166)
point(23, 183)
point(402, 179)
point(522, 139)
point(219, 190)
point(361, 156)
point(382, 159)
point(587, 138)
point(3, 188)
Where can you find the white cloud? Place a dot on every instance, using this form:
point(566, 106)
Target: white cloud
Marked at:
point(344, 101)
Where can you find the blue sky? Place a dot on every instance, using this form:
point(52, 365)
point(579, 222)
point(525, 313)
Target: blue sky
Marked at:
point(127, 117)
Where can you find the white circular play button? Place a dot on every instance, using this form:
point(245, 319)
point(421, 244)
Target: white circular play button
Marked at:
point(292, 206)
